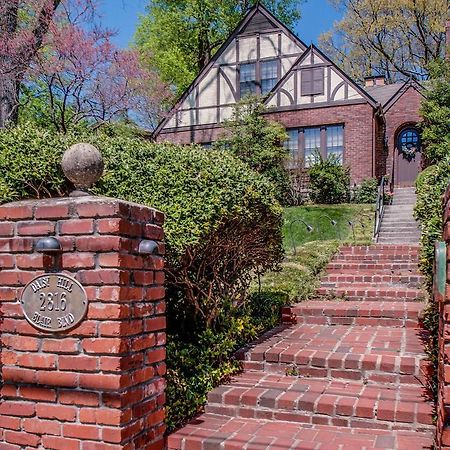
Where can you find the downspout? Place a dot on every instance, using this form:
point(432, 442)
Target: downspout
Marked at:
point(377, 113)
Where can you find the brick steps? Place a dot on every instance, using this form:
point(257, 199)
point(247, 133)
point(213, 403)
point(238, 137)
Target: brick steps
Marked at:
point(213, 431)
point(400, 268)
point(371, 292)
point(337, 374)
point(318, 401)
point(409, 280)
point(378, 313)
point(369, 353)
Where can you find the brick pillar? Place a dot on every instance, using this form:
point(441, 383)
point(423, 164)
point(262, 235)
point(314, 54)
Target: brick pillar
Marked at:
point(443, 407)
point(101, 384)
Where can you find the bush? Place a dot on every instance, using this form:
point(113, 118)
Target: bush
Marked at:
point(223, 222)
point(430, 186)
point(223, 225)
point(329, 181)
point(366, 192)
point(195, 368)
point(257, 141)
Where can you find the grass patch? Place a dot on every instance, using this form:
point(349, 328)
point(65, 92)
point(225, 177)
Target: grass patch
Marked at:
point(320, 217)
point(309, 251)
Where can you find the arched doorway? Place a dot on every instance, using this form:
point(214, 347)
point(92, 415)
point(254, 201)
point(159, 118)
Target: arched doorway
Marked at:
point(408, 155)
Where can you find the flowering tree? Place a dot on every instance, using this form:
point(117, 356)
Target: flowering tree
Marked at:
point(23, 26)
point(74, 67)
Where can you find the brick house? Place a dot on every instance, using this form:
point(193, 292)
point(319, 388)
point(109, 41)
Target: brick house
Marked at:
point(371, 128)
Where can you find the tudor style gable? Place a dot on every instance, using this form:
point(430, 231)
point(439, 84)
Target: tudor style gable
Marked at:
point(259, 53)
point(316, 81)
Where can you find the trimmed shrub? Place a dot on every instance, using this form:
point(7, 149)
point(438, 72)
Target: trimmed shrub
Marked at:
point(366, 192)
point(329, 181)
point(223, 221)
point(430, 186)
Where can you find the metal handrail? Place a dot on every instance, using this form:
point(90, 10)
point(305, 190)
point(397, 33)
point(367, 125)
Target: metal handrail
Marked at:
point(379, 211)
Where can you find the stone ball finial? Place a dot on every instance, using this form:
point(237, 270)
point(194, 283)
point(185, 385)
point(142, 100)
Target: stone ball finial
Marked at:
point(83, 165)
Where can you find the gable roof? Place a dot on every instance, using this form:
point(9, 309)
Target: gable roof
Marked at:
point(388, 94)
point(258, 14)
point(301, 58)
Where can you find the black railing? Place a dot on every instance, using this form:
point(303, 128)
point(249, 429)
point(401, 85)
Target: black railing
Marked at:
point(379, 211)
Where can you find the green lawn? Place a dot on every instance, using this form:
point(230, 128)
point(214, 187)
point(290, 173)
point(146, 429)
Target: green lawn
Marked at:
point(308, 251)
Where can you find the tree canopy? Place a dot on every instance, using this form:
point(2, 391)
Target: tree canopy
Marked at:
point(182, 36)
point(397, 39)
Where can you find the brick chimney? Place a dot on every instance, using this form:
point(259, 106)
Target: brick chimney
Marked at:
point(377, 80)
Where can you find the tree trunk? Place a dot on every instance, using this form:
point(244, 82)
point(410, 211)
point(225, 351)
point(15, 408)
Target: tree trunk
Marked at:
point(9, 99)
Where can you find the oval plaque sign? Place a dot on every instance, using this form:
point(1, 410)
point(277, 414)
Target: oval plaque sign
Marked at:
point(54, 302)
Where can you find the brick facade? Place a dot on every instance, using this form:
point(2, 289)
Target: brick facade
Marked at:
point(405, 111)
point(443, 407)
point(358, 132)
point(100, 385)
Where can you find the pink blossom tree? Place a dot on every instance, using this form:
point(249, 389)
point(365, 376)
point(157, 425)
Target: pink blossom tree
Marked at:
point(74, 66)
point(23, 26)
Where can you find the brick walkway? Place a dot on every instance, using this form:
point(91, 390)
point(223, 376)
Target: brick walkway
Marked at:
point(344, 375)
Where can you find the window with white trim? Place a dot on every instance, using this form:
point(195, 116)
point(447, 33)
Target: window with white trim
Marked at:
point(312, 145)
point(335, 141)
point(269, 75)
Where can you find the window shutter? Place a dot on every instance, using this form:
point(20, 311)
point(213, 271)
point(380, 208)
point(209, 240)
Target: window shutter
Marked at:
point(307, 82)
point(318, 80)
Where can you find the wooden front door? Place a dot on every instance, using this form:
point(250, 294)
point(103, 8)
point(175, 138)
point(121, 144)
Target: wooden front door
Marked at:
point(408, 157)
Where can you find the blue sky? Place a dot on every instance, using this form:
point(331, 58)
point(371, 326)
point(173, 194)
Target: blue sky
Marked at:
point(122, 16)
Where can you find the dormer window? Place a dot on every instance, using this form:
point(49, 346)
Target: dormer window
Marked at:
point(258, 78)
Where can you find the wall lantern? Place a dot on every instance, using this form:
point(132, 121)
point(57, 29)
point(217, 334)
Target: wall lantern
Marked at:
point(148, 248)
point(48, 244)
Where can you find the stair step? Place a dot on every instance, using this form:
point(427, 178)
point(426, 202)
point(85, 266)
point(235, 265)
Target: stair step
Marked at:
point(277, 397)
point(371, 353)
point(367, 291)
point(409, 280)
point(217, 432)
point(390, 314)
point(401, 268)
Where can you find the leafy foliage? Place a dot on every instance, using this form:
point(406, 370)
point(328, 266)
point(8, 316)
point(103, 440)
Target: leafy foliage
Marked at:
point(394, 39)
point(329, 180)
point(436, 113)
point(223, 221)
point(257, 142)
point(430, 185)
point(195, 368)
point(179, 38)
point(366, 192)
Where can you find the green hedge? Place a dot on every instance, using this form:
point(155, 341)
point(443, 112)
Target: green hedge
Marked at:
point(223, 226)
point(223, 221)
point(430, 186)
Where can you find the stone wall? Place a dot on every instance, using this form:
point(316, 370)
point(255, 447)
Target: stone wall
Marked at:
point(101, 384)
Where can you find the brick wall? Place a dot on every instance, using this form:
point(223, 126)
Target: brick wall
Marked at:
point(100, 385)
point(358, 133)
point(403, 112)
point(443, 409)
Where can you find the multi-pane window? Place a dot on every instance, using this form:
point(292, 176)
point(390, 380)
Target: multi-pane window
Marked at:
point(247, 79)
point(335, 141)
point(312, 145)
point(269, 75)
point(312, 81)
point(305, 143)
point(258, 78)
point(292, 144)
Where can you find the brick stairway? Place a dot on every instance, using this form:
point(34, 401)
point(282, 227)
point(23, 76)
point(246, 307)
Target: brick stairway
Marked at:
point(344, 374)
